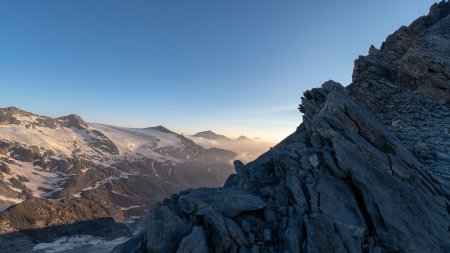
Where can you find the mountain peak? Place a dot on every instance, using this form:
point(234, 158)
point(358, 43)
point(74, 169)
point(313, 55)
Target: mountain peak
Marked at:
point(16, 116)
point(12, 111)
point(161, 129)
point(243, 138)
point(210, 135)
point(74, 120)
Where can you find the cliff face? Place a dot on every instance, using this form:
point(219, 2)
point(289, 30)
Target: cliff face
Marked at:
point(366, 171)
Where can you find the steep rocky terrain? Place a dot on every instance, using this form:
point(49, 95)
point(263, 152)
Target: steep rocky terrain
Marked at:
point(366, 171)
point(125, 169)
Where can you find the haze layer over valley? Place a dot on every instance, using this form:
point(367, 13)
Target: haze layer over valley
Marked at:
point(247, 149)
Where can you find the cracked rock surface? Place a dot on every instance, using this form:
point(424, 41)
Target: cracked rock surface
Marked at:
point(358, 175)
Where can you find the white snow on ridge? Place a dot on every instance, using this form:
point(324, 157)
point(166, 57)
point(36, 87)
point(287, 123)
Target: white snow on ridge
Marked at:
point(64, 142)
point(26, 119)
point(61, 140)
point(132, 141)
point(12, 200)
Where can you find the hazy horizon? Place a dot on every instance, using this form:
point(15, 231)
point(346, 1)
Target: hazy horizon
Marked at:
point(236, 68)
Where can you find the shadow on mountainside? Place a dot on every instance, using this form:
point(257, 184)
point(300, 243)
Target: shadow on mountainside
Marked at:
point(102, 229)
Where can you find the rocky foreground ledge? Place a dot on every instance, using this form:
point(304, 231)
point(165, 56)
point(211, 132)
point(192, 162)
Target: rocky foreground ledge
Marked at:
point(364, 172)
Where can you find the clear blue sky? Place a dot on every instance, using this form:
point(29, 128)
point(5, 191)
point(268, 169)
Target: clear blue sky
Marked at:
point(234, 66)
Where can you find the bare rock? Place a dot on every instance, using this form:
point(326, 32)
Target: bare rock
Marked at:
point(195, 242)
point(229, 202)
point(167, 230)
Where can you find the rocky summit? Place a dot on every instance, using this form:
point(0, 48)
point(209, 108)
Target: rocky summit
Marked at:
point(367, 170)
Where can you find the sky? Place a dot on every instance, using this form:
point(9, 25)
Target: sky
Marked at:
point(234, 67)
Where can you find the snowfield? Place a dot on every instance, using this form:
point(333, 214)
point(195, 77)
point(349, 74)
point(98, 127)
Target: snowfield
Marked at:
point(133, 142)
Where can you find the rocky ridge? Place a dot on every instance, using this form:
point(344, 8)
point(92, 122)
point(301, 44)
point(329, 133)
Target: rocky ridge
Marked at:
point(366, 171)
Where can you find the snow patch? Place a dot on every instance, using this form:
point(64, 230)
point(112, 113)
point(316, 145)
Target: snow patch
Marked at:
point(105, 181)
point(128, 208)
point(38, 178)
point(11, 200)
point(121, 194)
point(86, 243)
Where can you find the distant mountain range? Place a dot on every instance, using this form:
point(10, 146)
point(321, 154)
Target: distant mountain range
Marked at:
point(210, 135)
point(126, 169)
point(247, 149)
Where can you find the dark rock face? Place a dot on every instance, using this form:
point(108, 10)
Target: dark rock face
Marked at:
point(229, 202)
point(74, 120)
point(39, 213)
point(356, 176)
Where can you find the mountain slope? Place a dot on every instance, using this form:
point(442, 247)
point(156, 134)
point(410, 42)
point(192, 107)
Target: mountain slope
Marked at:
point(67, 157)
point(348, 179)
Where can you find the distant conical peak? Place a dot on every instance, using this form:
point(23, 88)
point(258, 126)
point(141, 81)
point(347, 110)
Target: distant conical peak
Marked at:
point(210, 135)
point(242, 138)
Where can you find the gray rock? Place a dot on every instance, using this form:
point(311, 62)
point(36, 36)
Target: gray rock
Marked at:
point(195, 242)
point(246, 226)
point(236, 232)
point(230, 202)
point(244, 249)
point(294, 186)
point(292, 235)
point(137, 244)
point(221, 238)
point(165, 230)
point(314, 161)
point(267, 235)
point(255, 249)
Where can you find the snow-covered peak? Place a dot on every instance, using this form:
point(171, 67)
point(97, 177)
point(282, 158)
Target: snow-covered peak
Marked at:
point(135, 141)
point(16, 116)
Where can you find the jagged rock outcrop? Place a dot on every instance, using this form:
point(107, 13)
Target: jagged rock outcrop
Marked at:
point(354, 176)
